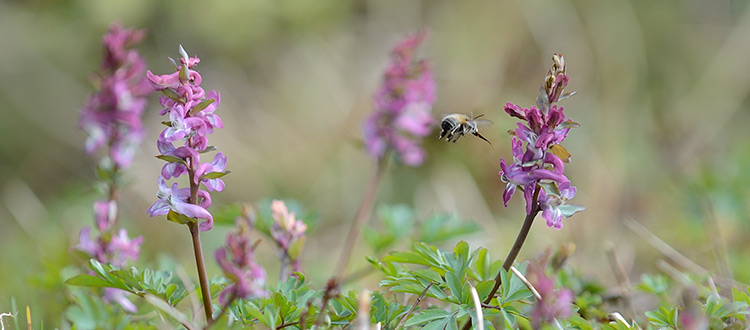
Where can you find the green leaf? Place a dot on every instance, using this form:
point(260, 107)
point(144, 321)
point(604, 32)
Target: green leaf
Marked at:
point(428, 274)
point(179, 218)
point(484, 288)
point(430, 253)
point(406, 257)
point(296, 248)
point(569, 123)
point(209, 148)
point(170, 310)
point(654, 284)
point(88, 281)
point(200, 106)
point(427, 315)
point(568, 210)
point(447, 323)
point(482, 264)
point(664, 317)
point(215, 175)
point(516, 290)
point(172, 94)
point(172, 159)
point(550, 188)
point(184, 74)
point(508, 318)
point(454, 284)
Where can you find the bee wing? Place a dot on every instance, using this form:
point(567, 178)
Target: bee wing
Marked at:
point(483, 122)
point(442, 116)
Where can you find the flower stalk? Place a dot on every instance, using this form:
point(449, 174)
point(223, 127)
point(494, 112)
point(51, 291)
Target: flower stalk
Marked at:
point(191, 119)
point(111, 119)
point(363, 213)
point(538, 169)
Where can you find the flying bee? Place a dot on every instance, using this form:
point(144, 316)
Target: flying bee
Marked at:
point(457, 125)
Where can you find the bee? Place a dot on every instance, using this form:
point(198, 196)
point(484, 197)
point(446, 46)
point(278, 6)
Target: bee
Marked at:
point(457, 125)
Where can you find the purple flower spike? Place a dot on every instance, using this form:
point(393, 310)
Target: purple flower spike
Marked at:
point(403, 105)
point(540, 168)
point(239, 266)
point(113, 115)
point(192, 118)
point(288, 233)
point(554, 303)
point(111, 118)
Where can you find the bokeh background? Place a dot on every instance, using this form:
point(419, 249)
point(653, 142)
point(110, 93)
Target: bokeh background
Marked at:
point(662, 101)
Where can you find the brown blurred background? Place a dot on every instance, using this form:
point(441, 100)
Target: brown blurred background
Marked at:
point(662, 101)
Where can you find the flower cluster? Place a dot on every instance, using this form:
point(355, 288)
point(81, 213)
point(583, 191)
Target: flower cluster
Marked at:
point(112, 116)
point(247, 276)
point(191, 120)
point(110, 247)
point(554, 303)
point(289, 235)
point(539, 168)
point(403, 105)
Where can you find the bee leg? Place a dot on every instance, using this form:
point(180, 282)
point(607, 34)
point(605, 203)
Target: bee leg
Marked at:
point(442, 134)
point(447, 135)
point(457, 136)
point(482, 137)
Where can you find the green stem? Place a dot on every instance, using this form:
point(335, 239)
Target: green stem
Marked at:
point(511, 258)
point(223, 310)
point(205, 293)
point(198, 250)
point(363, 213)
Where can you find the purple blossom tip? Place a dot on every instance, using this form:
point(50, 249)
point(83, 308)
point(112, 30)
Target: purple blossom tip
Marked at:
point(112, 116)
point(239, 266)
point(540, 164)
point(192, 118)
point(403, 105)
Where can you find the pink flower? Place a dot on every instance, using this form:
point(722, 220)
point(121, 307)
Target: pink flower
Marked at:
point(175, 199)
point(555, 303)
point(112, 116)
point(192, 118)
point(288, 233)
point(239, 266)
point(217, 166)
point(542, 129)
point(403, 103)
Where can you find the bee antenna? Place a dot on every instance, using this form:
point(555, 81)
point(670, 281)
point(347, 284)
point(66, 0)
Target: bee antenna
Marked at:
point(478, 116)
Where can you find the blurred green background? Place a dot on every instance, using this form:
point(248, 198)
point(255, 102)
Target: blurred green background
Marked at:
point(662, 100)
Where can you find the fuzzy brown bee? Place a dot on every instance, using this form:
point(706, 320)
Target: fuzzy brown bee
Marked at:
point(457, 125)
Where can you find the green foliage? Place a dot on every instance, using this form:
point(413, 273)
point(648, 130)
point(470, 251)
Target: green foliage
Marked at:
point(158, 283)
point(447, 276)
point(398, 223)
point(665, 317)
point(653, 284)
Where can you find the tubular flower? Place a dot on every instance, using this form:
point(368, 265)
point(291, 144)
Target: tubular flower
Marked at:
point(191, 119)
point(112, 116)
point(540, 166)
point(554, 303)
point(288, 233)
point(239, 266)
point(109, 248)
point(403, 105)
